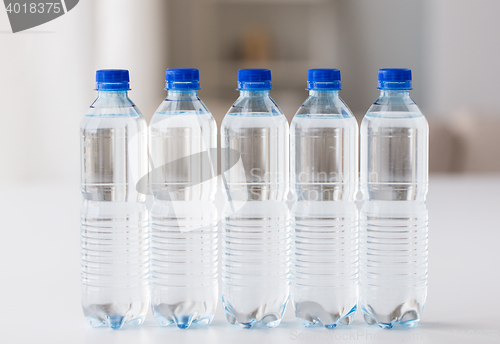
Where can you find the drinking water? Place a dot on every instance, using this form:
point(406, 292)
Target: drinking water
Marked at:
point(114, 217)
point(393, 219)
point(324, 217)
point(183, 148)
point(255, 222)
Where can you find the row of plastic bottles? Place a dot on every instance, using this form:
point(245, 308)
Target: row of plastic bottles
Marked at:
point(167, 257)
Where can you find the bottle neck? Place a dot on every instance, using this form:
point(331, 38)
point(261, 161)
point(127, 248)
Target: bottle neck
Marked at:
point(182, 95)
point(394, 101)
point(395, 93)
point(324, 93)
point(254, 93)
point(112, 99)
point(112, 94)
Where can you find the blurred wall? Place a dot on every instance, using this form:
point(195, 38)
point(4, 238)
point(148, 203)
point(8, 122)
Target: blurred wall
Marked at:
point(132, 34)
point(379, 34)
point(44, 91)
point(47, 79)
point(462, 54)
point(356, 36)
point(47, 73)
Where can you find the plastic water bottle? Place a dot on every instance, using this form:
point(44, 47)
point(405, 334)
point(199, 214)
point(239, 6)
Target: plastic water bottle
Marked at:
point(183, 148)
point(393, 219)
point(324, 176)
point(114, 217)
point(255, 220)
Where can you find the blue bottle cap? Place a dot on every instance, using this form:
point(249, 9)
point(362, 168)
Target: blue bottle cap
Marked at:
point(394, 79)
point(182, 79)
point(324, 79)
point(112, 80)
point(254, 79)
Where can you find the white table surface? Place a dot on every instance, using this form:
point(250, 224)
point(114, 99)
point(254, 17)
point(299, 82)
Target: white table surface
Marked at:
point(40, 275)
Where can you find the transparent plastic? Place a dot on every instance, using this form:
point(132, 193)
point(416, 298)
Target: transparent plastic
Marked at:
point(393, 218)
point(324, 217)
point(255, 220)
point(114, 217)
point(183, 149)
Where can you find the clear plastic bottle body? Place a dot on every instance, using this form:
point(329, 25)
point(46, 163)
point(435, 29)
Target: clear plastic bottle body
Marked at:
point(255, 220)
point(183, 150)
point(114, 217)
point(393, 218)
point(324, 218)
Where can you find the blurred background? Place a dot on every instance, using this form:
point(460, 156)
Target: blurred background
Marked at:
point(452, 46)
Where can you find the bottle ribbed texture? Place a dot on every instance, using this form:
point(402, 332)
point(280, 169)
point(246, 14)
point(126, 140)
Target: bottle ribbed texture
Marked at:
point(114, 217)
point(323, 137)
point(255, 219)
point(183, 146)
point(393, 217)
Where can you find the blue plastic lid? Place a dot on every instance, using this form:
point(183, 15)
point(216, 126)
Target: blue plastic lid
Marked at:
point(254, 79)
point(394, 79)
point(112, 80)
point(182, 79)
point(323, 79)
